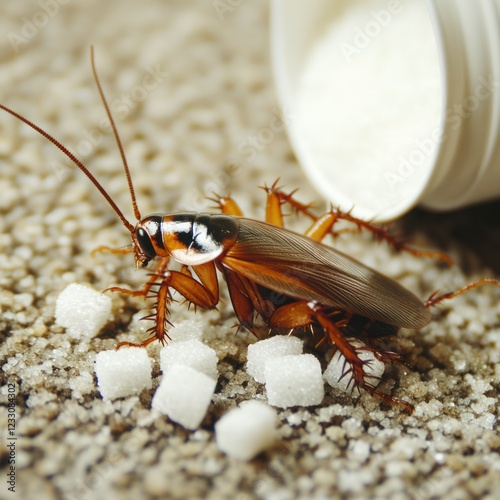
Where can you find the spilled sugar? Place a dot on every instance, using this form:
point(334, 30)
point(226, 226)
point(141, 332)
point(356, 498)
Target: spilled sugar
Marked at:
point(184, 395)
point(123, 373)
point(246, 431)
point(264, 350)
point(335, 373)
point(369, 102)
point(191, 353)
point(294, 380)
point(82, 310)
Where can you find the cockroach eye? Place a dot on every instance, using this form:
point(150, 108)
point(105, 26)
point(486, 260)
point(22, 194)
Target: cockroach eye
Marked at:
point(144, 241)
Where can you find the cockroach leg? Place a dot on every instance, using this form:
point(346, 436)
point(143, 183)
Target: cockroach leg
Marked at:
point(324, 224)
point(302, 314)
point(159, 317)
point(390, 400)
point(389, 357)
point(154, 277)
point(203, 293)
point(274, 214)
point(226, 205)
point(242, 304)
point(435, 299)
point(382, 233)
point(321, 226)
point(119, 251)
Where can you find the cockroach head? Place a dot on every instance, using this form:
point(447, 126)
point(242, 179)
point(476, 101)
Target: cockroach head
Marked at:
point(147, 240)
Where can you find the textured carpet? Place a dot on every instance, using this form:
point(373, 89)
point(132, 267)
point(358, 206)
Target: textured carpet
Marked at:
point(191, 87)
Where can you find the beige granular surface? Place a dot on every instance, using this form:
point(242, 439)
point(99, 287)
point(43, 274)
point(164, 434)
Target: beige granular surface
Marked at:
point(191, 87)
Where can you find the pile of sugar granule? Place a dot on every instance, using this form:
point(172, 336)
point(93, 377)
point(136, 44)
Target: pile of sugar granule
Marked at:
point(369, 103)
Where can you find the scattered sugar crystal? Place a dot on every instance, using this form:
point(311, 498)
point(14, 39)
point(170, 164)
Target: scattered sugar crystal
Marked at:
point(191, 353)
point(335, 370)
point(360, 450)
point(184, 395)
point(82, 310)
point(294, 380)
point(246, 431)
point(123, 373)
point(82, 384)
point(431, 409)
point(274, 347)
point(497, 373)
point(486, 420)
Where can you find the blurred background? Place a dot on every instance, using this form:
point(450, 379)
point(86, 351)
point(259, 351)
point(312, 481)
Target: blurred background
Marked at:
point(191, 88)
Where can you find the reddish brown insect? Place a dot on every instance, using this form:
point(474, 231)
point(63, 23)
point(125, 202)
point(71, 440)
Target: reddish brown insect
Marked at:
point(279, 281)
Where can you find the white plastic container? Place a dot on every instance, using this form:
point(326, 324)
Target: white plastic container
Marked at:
point(394, 103)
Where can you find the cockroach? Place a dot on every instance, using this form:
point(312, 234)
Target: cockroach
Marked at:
point(279, 281)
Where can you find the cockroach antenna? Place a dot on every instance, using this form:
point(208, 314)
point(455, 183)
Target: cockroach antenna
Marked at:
point(117, 137)
point(79, 164)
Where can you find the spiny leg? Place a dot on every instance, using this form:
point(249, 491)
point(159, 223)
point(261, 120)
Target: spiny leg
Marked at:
point(249, 300)
point(162, 295)
point(276, 198)
point(274, 213)
point(201, 293)
point(244, 294)
point(382, 233)
point(436, 299)
point(372, 333)
point(208, 277)
point(159, 317)
point(302, 314)
point(242, 305)
point(323, 225)
point(154, 277)
point(226, 205)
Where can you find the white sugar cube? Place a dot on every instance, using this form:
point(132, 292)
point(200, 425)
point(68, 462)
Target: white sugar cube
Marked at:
point(294, 380)
point(335, 370)
point(186, 330)
point(82, 310)
point(274, 347)
point(246, 431)
point(123, 373)
point(184, 395)
point(191, 353)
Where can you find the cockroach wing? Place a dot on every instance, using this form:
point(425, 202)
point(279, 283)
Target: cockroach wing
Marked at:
point(299, 267)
